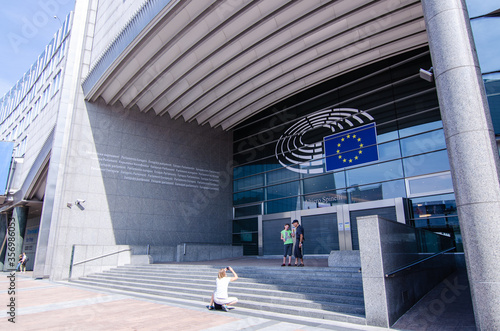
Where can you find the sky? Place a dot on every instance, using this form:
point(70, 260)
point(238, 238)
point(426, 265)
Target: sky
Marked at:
point(26, 27)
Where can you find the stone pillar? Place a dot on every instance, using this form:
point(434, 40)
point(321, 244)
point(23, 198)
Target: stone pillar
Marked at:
point(374, 289)
point(471, 149)
point(18, 227)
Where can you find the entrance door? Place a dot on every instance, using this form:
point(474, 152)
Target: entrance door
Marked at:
point(321, 234)
point(271, 234)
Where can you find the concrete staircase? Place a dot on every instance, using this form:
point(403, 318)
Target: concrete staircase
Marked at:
point(317, 292)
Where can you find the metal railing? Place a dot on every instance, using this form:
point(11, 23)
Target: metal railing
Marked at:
point(91, 259)
point(392, 273)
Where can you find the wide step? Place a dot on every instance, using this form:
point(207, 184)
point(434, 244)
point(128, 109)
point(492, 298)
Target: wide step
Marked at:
point(326, 293)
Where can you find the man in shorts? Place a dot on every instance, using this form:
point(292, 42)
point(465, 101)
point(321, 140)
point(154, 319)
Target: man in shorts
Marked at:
point(299, 243)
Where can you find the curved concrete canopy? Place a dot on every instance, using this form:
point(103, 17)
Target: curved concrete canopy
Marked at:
point(220, 62)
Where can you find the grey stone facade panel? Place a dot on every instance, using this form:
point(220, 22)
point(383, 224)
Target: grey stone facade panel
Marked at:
point(110, 156)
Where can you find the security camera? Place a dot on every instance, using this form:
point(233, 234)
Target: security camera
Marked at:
point(79, 201)
point(427, 75)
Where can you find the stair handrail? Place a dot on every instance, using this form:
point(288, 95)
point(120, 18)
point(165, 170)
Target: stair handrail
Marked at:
point(92, 258)
point(392, 273)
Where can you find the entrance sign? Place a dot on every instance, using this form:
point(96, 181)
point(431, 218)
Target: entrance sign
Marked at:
point(351, 147)
point(300, 148)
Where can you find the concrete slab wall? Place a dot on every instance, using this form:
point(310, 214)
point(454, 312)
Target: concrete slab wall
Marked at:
point(205, 252)
point(88, 259)
point(146, 180)
point(386, 246)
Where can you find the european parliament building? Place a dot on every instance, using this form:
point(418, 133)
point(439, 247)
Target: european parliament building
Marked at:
point(160, 123)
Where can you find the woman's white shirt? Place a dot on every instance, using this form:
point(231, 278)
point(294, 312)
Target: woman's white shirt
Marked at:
point(221, 285)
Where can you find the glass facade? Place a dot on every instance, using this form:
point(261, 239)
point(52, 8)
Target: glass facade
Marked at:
point(21, 106)
point(485, 21)
point(281, 163)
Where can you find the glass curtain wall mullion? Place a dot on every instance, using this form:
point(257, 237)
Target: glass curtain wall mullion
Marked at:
point(391, 103)
point(267, 185)
point(271, 157)
point(353, 186)
point(403, 154)
point(349, 194)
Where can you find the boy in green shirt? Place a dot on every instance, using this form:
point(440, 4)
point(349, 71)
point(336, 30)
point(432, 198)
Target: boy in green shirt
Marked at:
point(286, 236)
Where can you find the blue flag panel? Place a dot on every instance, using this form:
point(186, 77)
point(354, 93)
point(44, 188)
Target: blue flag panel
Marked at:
point(6, 148)
point(351, 147)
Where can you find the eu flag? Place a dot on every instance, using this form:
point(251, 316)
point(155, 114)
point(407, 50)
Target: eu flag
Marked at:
point(351, 147)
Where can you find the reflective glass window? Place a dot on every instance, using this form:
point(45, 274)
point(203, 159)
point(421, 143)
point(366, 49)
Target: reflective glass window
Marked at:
point(492, 86)
point(247, 211)
point(423, 143)
point(248, 183)
point(430, 184)
point(326, 182)
point(379, 191)
point(375, 173)
point(283, 190)
point(245, 225)
point(387, 132)
point(426, 164)
point(282, 205)
point(248, 196)
point(486, 37)
point(389, 151)
point(247, 170)
point(416, 129)
point(324, 199)
point(281, 175)
point(438, 214)
point(434, 206)
point(481, 7)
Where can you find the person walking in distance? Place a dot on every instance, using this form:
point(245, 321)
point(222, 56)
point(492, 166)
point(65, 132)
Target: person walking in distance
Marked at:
point(22, 262)
point(299, 243)
point(220, 296)
point(286, 236)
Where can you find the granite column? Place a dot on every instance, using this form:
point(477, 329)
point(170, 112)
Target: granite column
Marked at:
point(472, 150)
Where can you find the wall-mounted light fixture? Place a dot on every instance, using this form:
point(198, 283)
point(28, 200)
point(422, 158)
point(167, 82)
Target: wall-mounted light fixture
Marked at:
point(79, 201)
point(427, 75)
